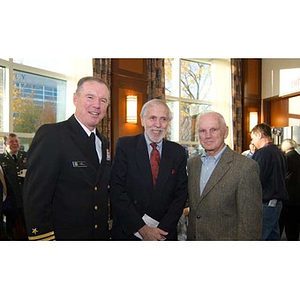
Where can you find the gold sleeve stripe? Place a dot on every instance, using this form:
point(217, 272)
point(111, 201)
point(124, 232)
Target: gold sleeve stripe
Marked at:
point(46, 237)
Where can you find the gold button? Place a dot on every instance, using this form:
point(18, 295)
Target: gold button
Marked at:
point(96, 226)
point(96, 189)
point(96, 207)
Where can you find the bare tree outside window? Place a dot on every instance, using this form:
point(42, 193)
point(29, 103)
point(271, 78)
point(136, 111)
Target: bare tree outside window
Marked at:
point(188, 87)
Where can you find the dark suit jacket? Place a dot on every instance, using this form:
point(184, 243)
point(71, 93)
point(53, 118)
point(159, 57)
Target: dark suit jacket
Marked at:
point(132, 192)
point(230, 206)
point(293, 177)
point(64, 194)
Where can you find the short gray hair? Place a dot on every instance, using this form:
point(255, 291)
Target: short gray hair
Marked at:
point(221, 118)
point(83, 80)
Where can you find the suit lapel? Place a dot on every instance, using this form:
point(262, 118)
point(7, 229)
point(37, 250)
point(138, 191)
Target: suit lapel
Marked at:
point(143, 163)
point(195, 169)
point(79, 137)
point(81, 141)
point(221, 169)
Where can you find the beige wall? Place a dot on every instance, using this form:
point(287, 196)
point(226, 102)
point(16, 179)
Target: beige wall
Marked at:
point(270, 74)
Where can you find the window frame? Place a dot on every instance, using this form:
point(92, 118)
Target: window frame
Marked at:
point(9, 67)
point(216, 63)
point(180, 99)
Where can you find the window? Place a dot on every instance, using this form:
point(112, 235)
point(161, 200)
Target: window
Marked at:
point(193, 86)
point(294, 111)
point(33, 92)
point(37, 100)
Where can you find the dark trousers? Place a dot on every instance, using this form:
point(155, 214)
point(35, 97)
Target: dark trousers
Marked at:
point(290, 221)
point(15, 226)
point(2, 235)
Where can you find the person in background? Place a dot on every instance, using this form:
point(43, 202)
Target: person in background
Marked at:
point(148, 180)
point(66, 186)
point(223, 186)
point(14, 163)
point(272, 165)
point(249, 153)
point(290, 214)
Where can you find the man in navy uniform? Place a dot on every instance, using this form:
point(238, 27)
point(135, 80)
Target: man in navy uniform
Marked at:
point(66, 185)
point(13, 163)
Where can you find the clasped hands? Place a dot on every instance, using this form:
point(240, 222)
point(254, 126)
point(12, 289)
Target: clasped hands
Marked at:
point(152, 233)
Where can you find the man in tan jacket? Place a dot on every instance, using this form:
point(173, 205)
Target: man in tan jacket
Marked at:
point(225, 194)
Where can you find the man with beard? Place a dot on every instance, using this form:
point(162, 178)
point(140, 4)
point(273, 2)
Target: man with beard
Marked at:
point(148, 180)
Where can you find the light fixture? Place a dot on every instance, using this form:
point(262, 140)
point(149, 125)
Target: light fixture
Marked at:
point(253, 119)
point(131, 109)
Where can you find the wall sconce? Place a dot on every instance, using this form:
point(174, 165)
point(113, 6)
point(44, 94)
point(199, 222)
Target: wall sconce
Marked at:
point(253, 119)
point(131, 109)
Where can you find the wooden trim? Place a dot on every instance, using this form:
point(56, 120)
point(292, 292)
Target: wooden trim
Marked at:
point(277, 97)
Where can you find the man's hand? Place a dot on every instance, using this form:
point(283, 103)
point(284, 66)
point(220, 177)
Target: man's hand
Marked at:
point(152, 233)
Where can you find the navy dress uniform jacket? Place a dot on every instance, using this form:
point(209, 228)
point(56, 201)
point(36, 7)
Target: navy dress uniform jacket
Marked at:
point(132, 192)
point(65, 196)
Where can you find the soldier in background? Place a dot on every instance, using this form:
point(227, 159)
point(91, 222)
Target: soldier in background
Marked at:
point(13, 163)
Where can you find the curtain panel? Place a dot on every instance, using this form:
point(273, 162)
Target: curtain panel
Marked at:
point(102, 69)
point(156, 78)
point(237, 107)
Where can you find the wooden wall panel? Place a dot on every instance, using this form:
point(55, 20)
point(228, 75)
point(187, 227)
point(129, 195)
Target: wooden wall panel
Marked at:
point(251, 95)
point(253, 82)
point(132, 65)
point(279, 113)
point(129, 77)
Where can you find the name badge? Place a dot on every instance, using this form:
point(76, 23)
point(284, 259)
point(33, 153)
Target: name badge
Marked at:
point(79, 164)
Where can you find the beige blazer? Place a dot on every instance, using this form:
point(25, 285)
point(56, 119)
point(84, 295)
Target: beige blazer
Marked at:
point(230, 207)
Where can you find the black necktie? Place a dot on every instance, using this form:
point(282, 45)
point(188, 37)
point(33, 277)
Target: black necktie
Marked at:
point(15, 158)
point(93, 150)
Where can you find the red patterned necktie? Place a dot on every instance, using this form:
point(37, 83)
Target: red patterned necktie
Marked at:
point(154, 162)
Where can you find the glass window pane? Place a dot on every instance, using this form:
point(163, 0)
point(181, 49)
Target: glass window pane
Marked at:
point(172, 77)
point(173, 130)
point(294, 122)
point(294, 107)
point(37, 100)
point(24, 143)
point(188, 117)
point(1, 97)
point(196, 80)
